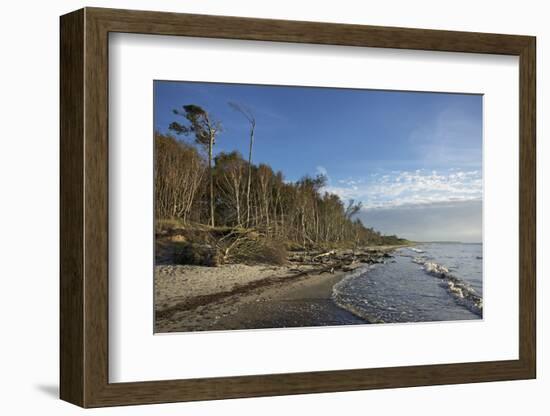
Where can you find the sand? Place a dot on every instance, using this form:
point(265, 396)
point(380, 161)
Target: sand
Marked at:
point(196, 298)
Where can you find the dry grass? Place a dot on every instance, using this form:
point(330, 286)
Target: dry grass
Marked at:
point(261, 250)
point(208, 246)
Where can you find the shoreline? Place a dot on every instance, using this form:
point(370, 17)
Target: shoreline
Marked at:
point(293, 302)
point(304, 303)
point(237, 296)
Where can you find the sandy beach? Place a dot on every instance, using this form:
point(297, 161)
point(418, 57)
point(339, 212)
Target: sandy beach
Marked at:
point(238, 296)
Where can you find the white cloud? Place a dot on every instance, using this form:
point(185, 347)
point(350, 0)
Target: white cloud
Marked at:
point(417, 187)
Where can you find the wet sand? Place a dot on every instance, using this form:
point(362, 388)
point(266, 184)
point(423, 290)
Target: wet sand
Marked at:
point(304, 303)
point(217, 303)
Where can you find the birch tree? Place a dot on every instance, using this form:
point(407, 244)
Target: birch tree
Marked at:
point(229, 170)
point(178, 174)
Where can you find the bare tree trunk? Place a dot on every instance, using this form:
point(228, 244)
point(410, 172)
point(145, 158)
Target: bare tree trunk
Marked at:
point(237, 189)
point(282, 219)
point(211, 180)
point(249, 176)
point(303, 220)
point(252, 120)
point(238, 204)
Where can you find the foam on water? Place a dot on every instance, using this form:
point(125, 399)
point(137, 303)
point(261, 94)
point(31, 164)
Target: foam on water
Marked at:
point(401, 291)
point(464, 294)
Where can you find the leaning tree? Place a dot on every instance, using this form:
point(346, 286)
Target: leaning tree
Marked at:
point(205, 129)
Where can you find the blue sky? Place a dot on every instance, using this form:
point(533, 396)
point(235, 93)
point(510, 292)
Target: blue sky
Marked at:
point(407, 156)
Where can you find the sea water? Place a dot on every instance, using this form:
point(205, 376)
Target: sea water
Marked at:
point(427, 282)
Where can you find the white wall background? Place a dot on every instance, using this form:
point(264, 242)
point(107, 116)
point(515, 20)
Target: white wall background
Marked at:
point(29, 158)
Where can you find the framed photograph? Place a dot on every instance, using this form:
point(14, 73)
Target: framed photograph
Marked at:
point(255, 207)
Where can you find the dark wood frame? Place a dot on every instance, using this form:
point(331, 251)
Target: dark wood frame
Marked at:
point(84, 208)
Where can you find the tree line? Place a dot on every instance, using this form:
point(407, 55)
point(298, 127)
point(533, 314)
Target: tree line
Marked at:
point(193, 186)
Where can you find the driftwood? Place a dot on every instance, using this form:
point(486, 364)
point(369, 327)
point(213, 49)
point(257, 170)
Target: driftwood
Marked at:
point(328, 253)
point(344, 261)
point(368, 256)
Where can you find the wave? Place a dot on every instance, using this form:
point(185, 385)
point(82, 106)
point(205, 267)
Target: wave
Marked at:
point(346, 293)
point(347, 302)
point(461, 291)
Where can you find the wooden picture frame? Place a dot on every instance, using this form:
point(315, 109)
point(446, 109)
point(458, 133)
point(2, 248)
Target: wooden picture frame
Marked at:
point(84, 207)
